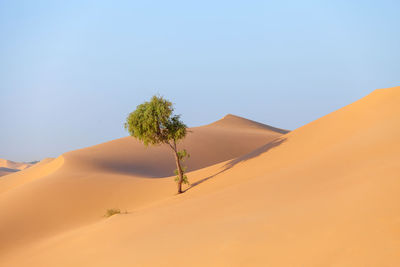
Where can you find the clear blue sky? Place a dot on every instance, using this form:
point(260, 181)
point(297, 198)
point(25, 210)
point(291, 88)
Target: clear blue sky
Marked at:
point(70, 71)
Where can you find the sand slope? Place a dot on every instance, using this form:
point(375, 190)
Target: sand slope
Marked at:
point(326, 194)
point(5, 171)
point(8, 166)
point(225, 139)
point(78, 187)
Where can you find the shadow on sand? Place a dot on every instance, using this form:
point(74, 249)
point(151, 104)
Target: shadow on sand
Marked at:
point(231, 163)
point(8, 170)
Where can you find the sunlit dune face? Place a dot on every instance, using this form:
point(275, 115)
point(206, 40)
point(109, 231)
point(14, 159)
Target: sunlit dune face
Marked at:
point(325, 194)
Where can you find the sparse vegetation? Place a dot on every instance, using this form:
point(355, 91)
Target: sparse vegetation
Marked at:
point(153, 123)
point(111, 212)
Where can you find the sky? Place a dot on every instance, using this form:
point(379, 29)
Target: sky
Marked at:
point(71, 71)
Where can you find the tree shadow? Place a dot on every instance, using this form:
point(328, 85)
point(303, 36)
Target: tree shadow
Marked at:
point(233, 162)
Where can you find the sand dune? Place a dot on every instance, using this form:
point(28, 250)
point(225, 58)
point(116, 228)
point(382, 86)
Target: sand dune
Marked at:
point(39, 170)
point(225, 139)
point(5, 171)
point(14, 165)
point(79, 186)
point(326, 194)
point(8, 166)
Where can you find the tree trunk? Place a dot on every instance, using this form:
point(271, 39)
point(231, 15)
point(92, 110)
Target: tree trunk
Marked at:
point(179, 168)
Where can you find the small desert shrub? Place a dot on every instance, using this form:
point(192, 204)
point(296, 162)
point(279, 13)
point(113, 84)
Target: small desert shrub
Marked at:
point(111, 212)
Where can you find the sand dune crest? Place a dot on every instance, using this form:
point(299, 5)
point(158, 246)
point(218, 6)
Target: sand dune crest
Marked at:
point(326, 194)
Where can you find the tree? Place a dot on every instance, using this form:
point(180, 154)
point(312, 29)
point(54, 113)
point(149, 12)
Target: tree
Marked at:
point(154, 123)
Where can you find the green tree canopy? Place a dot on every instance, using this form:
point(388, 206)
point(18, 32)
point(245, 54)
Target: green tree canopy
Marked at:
point(154, 123)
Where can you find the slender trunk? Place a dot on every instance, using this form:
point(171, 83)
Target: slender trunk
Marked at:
point(179, 168)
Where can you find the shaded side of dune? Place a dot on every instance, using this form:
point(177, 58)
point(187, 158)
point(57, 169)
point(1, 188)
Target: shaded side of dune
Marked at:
point(326, 194)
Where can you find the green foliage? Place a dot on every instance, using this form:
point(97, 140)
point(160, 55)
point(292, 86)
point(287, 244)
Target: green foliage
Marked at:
point(184, 180)
point(153, 122)
point(182, 155)
point(111, 212)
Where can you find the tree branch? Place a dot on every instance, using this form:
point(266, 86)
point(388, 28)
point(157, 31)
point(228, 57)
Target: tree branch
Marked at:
point(171, 146)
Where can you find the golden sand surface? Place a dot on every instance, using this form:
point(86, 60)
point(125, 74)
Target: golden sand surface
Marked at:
point(325, 194)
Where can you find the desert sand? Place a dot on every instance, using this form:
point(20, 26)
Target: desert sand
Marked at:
point(8, 166)
point(325, 194)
